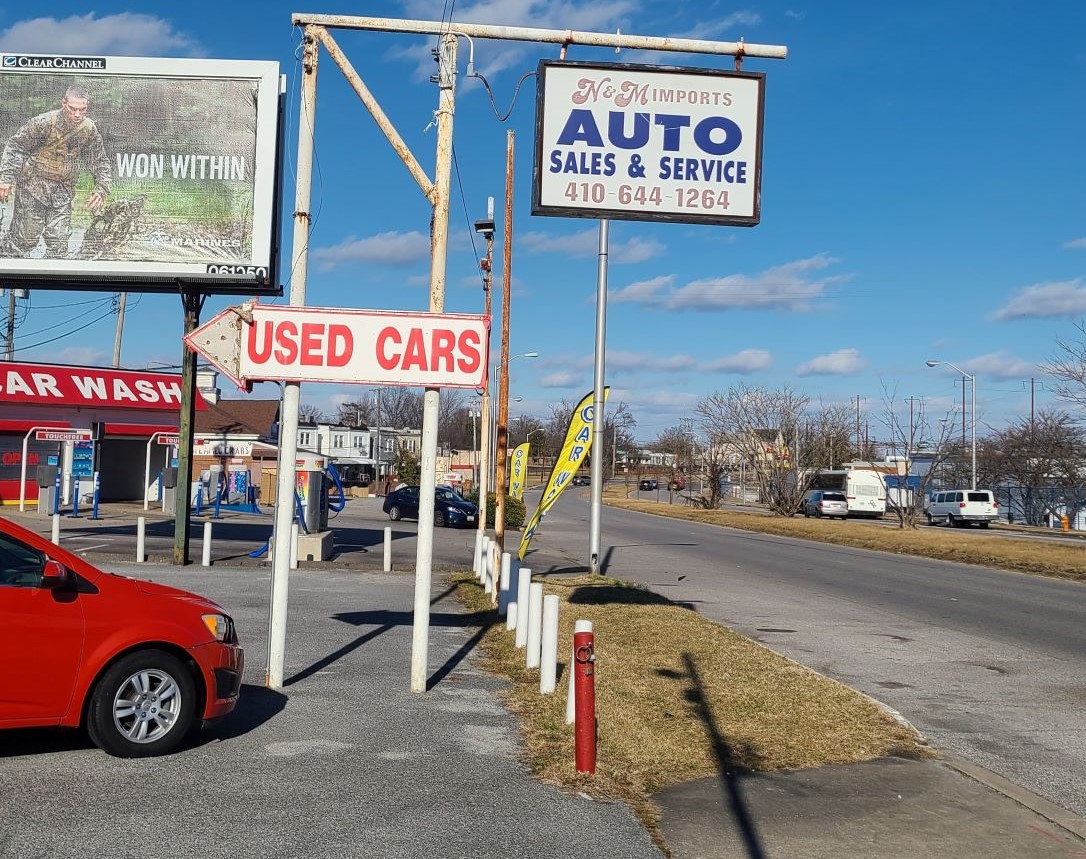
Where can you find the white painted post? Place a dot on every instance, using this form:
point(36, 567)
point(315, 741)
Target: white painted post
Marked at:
point(571, 711)
point(56, 529)
point(524, 581)
point(478, 553)
point(480, 569)
point(535, 624)
point(141, 539)
point(491, 562)
point(503, 586)
point(206, 560)
point(294, 545)
point(387, 566)
point(548, 659)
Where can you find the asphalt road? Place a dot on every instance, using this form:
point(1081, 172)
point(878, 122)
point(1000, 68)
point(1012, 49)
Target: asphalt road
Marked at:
point(987, 664)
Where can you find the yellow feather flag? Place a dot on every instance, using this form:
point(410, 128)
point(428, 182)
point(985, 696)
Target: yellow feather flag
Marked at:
point(577, 444)
point(518, 471)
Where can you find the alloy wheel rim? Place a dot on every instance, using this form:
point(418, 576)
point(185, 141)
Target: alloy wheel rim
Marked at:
point(147, 705)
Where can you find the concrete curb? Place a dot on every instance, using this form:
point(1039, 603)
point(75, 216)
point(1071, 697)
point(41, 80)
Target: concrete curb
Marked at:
point(1051, 812)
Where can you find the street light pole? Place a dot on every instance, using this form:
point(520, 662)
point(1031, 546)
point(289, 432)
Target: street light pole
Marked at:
point(972, 411)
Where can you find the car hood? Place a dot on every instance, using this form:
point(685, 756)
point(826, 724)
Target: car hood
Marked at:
point(153, 589)
point(466, 506)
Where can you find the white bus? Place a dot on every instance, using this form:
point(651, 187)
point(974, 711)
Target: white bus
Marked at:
point(864, 489)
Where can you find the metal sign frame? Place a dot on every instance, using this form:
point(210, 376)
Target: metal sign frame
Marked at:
point(643, 213)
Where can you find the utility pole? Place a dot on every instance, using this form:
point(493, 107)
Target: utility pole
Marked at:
point(192, 302)
point(503, 376)
point(9, 334)
point(487, 265)
point(912, 426)
point(122, 299)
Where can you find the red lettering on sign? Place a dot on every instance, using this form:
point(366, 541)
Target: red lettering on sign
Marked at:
point(415, 354)
point(261, 354)
point(312, 341)
point(386, 360)
point(443, 342)
point(287, 353)
point(340, 345)
point(470, 346)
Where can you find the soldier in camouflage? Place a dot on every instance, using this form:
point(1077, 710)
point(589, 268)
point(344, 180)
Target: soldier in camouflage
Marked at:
point(41, 163)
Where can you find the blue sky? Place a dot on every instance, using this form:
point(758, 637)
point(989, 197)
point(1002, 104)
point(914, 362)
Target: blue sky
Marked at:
point(922, 198)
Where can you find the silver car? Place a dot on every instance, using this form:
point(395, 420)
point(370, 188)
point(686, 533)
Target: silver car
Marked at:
point(821, 502)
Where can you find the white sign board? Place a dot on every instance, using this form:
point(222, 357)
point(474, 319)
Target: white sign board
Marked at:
point(366, 347)
point(648, 143)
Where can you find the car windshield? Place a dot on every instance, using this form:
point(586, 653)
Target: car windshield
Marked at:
point(447, 494)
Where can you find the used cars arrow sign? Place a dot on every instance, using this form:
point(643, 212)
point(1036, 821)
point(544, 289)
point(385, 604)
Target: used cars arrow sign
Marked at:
point(268, 342)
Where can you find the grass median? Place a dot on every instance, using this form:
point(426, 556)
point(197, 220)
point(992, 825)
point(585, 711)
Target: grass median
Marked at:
point(679, 697)
point(1057, 559)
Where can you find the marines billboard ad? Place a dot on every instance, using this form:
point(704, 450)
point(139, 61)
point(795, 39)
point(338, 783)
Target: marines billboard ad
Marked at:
point(648, 143)
point(138, 170)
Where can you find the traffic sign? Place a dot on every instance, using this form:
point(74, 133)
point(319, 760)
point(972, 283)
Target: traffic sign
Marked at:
point(63, 435)
point(267, 342)
point(170, 440)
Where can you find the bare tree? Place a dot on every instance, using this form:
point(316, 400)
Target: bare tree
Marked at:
point(401, 407)
point(920, 450)
point(826, 437)
point(759, 426)
point(310, 414)
point(1068, 366)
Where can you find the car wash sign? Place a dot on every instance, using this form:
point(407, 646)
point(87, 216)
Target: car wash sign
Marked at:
point(648, 143)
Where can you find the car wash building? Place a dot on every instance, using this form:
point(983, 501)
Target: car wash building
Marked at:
point(82, 421)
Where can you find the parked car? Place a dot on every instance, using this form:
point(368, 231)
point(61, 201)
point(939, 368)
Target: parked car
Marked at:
point(450, 508)
point(825, 502)
point(581, 480)
point(647, 484)
point(962, 507)
point(677, 484)
point(135, 663)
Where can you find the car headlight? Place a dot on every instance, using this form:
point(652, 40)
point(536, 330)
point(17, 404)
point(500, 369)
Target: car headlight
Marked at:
point(220, 626)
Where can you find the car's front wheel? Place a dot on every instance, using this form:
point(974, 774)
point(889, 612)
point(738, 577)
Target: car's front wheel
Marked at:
point(142, 706)
point(394, 513)
point(439, 518)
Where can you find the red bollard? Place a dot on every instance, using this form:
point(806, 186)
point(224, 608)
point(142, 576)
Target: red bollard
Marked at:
point(584, 692)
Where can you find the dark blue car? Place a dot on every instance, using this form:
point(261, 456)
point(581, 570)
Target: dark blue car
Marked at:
point(450, 508)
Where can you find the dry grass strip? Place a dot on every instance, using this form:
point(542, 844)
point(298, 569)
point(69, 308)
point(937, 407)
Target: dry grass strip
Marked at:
point(673, 689)
point(1040, 557)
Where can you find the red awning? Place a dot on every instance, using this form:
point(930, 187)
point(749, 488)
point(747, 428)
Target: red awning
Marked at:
point(145, 430)
point(26, 426)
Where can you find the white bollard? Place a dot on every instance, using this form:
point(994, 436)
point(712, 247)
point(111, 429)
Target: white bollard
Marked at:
point(141, 539)
point(535, 624)
point(206, 560)
point(478, 553)
point(387, 564)
point(491, 563)
point(294, 545)
point(524, 581)
point(548, 657)
point(571, 704)
point(480, 570)
point(503, 585)
point(56, 530)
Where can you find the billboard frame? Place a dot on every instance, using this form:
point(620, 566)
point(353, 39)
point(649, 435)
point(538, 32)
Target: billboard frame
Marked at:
point(261, 277)
point(626, 214)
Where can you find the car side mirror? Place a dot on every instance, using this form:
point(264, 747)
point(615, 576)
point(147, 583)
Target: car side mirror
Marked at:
point(55, 575)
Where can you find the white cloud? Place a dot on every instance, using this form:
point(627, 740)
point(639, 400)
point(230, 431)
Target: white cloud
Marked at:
point(643, 291)
point(391, 248)
point(86, 356)
point(124, 34)
point(723, 29)
point(1065, 298)
point(999, 366)
point(586, 244)
point(790, 287)
point(843, 362)
point(747, 361)
point(564, 379)
point(625, 361)
point(1076, 243)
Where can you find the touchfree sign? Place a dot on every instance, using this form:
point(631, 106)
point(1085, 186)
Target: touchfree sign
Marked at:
point(648, 143)
point(320, 344)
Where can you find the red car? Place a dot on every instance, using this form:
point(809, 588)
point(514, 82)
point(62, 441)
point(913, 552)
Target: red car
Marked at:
point(135, 663)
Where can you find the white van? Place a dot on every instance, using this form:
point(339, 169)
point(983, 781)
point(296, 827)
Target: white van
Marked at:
point(961, 507)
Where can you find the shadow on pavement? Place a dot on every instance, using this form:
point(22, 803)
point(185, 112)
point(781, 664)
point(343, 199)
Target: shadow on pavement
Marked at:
point(256, 706)
point(732, 761)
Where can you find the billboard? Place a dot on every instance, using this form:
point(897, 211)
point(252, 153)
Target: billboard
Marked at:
point(139, 173)
point(648, 143)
